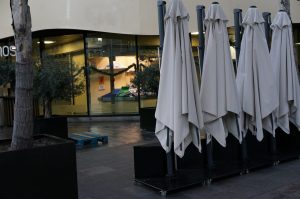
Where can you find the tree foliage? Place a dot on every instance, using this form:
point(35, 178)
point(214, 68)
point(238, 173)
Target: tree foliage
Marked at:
point(148, 79)
point(54, 79)
point(7, 72)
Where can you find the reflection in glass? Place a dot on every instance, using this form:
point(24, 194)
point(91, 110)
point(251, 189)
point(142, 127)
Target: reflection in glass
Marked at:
point(148, 58)
point(69, 49)
point(112, 68)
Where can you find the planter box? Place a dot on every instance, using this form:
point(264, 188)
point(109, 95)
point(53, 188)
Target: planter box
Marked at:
point(41, 172)
point(57, 126)
point(147, 118)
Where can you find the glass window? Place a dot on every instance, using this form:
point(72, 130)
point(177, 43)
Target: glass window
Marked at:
point(7, 57)
point(70, 50)
point(149, 69)
point(111, 61)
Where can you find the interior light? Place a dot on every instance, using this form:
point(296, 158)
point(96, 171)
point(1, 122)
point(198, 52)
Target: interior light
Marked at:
point(196, 33)
point(232, 52)
point(99, 39)
point(298, 43)
point(47, 42)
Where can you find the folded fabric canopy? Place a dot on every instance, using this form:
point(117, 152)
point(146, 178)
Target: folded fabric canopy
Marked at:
point(284, 65)
point(178, 112)
point(255, 78)
point(218, 87)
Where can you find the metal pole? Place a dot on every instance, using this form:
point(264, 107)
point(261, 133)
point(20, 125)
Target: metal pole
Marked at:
point(267, 18)
point(238, 38)
point(111, 71)
point(238, 32)
point(87, 74)
point(200, 17)
point(201, 48)
point(137, 68)
point(161, 6)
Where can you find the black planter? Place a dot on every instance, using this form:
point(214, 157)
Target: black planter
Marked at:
point(57, 126)
point(41, 172)
point(147, 118)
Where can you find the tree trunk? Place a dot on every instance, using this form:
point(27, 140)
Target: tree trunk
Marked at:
point(23, 113)
point(47, 108)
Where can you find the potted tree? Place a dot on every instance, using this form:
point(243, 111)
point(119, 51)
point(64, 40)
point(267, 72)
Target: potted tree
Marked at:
point(54, 80)
point(7, 76)
point(33, 166)
point(148, 81)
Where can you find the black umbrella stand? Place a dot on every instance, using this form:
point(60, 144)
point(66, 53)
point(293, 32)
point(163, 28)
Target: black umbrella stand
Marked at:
point(154, 167)
point(288, 145)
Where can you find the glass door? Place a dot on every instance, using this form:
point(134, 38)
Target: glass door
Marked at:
point(111, 62)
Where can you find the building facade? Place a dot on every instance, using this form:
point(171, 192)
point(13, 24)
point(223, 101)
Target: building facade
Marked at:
point(106, 42)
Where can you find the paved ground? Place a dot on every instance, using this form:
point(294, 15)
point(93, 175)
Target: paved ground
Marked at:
point(107, 171)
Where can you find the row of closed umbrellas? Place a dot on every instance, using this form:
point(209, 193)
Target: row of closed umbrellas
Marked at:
point(263, 95)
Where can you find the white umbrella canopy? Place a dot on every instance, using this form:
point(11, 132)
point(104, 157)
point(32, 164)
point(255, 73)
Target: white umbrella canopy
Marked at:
point(218, 93)
point(283, 62)
point(255, 78)
point(178, 112)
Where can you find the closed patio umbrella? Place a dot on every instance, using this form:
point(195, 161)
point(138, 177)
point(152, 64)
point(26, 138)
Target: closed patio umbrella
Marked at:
point(255, 78)
point(283, 62)
point(178, 111)
point(218, 87)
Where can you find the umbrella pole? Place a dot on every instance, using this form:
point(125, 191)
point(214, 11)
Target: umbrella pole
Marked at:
point(201, 47)
point(210, 160)
point(273, 148)
point(161, 5)
point(200, 17)
point(238, 37)
point(267, 18)
point(238, 33)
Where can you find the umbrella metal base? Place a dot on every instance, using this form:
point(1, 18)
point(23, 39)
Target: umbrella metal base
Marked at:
point(226, 160)
point(288, 145)
point(259, 154)
point(181, 180)
point(224, 170)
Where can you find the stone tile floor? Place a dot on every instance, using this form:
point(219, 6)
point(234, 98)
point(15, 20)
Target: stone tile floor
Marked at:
point(107, 171)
